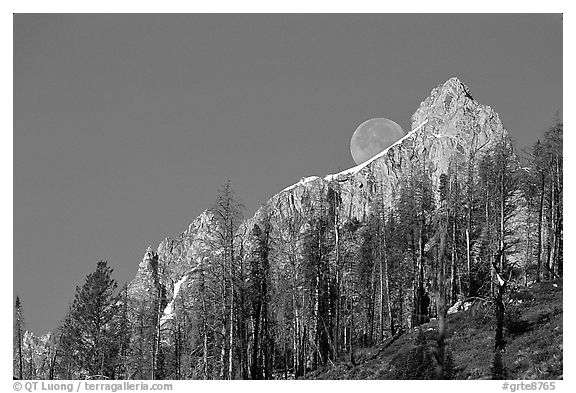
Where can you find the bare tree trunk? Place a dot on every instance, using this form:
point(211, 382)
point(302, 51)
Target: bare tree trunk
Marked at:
point(440, 306)
point(401, 303)
point(304, 351)
point(317, 318)
point(387, 283)
point(178, 350)
point(551, 234)
point(266, 347)
point(255, 367)
point(156, 345)
point(296, 340)
point(204, 326)
point(381, 303)
point(469, 201)
point(20, 357)
point(231, 273)
point(454, 263)
point(419, 284)
point(558, 254)
point(241, 319)
point(372, 308)
point(499, 340)
point(501, 280)
point(336, 330)
point(53, 360)
point(231, 333)
point(223, 334)
point(351, 333)
point(540, 217)
point(553, 231)
point(31, 373)
point(205, 355)
point(285, 361)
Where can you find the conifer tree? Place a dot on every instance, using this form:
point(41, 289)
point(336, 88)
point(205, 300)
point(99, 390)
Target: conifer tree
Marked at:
point(545, 183)
point(316, 251)
point(123, 329)
point(66, 362)
point(499, 171)
point(18, 336)
point(257, 295)
point(228, 211)
point(94, 307)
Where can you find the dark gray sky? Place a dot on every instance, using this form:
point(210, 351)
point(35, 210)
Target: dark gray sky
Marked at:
point(126, 125)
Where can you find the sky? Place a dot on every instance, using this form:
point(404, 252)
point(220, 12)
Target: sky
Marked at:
point(125, 126)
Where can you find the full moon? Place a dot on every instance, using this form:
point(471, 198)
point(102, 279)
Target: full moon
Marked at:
point(373, 136)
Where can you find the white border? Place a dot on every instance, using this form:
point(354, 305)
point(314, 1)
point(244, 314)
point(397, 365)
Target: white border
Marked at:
point(229, 6)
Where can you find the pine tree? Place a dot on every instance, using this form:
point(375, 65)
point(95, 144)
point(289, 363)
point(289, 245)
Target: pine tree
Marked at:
point(316, 251)
point(546, 178)
point(440, 281)
point(18, 336)
point(414, 209)
point(66, 362)
point(123, 330)
point(365, 271)
point(228, 212)
point(258, 296)
point(93, 310)
point(499, 171)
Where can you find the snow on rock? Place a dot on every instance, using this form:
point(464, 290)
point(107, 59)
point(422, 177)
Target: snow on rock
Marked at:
point(455, 308)
point(460, 305)
point(354, 170)
point(169, 310)
point(304, 180)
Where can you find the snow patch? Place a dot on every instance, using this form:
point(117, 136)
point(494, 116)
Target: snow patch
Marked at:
point(304, 180)
point(168, 311)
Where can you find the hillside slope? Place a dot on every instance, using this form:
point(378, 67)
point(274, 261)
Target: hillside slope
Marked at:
point(533, 334)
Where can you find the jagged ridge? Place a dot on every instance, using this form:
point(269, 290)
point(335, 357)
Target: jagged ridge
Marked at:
point(448, 123)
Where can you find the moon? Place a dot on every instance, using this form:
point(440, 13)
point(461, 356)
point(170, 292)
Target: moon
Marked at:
point(373, 136)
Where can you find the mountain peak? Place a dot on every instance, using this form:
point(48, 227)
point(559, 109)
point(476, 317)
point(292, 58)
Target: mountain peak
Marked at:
point(455, 85)
point(443, 102)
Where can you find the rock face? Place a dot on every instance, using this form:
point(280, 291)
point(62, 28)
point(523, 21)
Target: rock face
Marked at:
point(146, 280)
point(161, 271)
point(449, 126)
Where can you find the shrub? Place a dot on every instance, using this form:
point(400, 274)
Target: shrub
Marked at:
point(514, 322)
point(418, 364)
